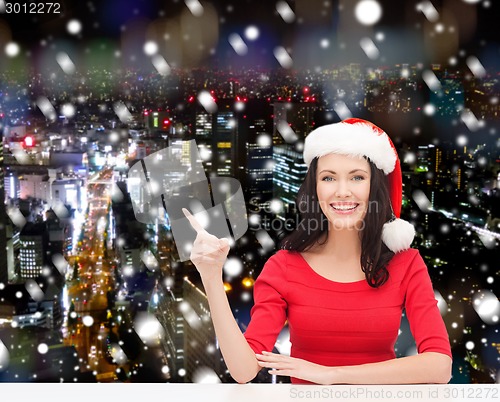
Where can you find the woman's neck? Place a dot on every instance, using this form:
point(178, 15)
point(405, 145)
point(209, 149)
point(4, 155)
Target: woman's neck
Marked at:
point(342, 245)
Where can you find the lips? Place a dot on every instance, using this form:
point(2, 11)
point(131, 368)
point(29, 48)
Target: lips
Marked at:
point(343, 207)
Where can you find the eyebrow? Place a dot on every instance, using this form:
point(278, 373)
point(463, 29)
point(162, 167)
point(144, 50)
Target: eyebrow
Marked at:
point(352, 171)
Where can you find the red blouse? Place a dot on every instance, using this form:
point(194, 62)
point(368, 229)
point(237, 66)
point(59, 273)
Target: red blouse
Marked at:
point(343, 324)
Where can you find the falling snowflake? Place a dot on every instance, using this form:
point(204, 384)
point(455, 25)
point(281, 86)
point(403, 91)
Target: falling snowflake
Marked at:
point(444, 229)
point(475, 66)
point(114, 137)
point(254, 219)
point(74, 27)
point(150, 48)
point(265, 240)
point(161, 65)
point(4, 357)
point(462, 140)
point(252, 33)
point(34, 290)
point(118, 354)
point(148, 328)
point(428, 9)
point(128, 270)
point(470, 120)
point(200, 214)
point(42, 348)
point(286, 131)
point(264, 140)
point(431, 80)
point(47, 108)
point(12, 49)
point(122, 112)
point(238, 44)
point(149, 260)
point(285, 11)
point(190, 315)
point(429, 109)
point(233, 267)
point(342, 110)
point(487, 306)
point(410, 158)
point(16, 216)
point(239, 106)
point(421, 200)
point(68, 110)
point(65, 63)
point(283, 57)
point(60, 263)
point(368, 12)
point(206, 100)
point(441, 303)
point(205, 153)
point(276, 206)
point(439, 28)
point(470, 345)
point(369, 48)
point(195, 7)
point(324, 43)
point(246, 297)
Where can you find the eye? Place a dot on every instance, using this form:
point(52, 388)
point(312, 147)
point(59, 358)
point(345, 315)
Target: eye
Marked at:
point(327, 178)
point(358, 178)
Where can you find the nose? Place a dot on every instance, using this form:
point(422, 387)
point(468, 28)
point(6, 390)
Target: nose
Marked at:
point(342, 189)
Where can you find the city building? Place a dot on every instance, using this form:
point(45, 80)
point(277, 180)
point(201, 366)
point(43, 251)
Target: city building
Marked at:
point(33, 250)
point(201, 352)
point(292, 122)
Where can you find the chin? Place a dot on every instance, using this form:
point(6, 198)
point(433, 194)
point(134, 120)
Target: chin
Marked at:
point(347, 224)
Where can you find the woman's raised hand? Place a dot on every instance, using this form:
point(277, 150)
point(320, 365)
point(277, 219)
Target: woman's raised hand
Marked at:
point(209, 253)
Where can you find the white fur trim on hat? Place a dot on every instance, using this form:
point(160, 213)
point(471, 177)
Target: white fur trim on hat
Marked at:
point(398, 235)
point(357, 139)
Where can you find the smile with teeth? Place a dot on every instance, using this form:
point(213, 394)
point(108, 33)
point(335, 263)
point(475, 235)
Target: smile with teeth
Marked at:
point(344, 207)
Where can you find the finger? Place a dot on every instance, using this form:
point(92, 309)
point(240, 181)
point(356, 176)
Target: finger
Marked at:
point(276, 366)
point(286, 373)
point(269, 359)
point(274, 356)
point(192, 220)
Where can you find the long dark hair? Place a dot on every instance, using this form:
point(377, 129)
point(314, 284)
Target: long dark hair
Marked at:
point(374, 253)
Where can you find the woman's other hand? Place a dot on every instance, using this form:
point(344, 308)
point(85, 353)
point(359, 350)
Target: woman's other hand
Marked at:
point(293, 367)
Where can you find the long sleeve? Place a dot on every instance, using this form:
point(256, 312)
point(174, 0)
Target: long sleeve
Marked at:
point(426, 323)
point(268, 314)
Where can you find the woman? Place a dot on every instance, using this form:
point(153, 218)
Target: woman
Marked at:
point(342, 286)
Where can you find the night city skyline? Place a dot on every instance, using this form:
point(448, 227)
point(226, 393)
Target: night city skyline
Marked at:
point(92, 286)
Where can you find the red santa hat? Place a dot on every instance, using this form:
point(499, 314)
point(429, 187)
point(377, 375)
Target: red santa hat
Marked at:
point(357, 137)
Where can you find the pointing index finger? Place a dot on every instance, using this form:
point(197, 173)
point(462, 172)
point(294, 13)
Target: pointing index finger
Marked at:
point(192, 220)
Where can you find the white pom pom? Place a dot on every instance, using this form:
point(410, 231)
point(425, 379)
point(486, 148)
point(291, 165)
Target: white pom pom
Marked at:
point(398, 235)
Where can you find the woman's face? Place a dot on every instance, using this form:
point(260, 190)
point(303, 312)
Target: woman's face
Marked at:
point(343, 189)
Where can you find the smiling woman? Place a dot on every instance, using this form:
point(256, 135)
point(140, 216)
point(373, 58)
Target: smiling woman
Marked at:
point(341, 287)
